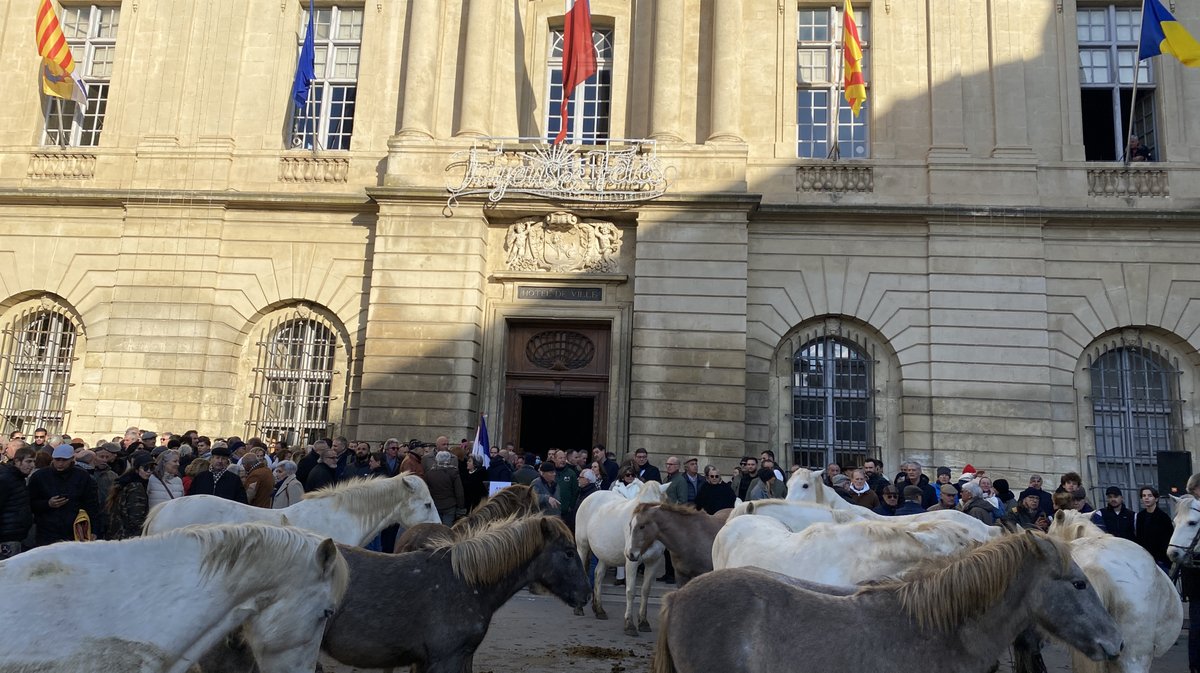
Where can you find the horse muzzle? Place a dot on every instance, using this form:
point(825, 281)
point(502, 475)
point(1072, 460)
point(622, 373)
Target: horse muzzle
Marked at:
point(633, 556)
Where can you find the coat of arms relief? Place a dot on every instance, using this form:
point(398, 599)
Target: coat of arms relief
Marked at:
point(562, 243)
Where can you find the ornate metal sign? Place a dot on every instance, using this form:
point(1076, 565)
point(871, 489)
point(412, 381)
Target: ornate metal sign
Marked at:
point(562, 243)
point(623, 171)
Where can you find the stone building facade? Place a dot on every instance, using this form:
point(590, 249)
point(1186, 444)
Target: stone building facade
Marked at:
point(976, 277)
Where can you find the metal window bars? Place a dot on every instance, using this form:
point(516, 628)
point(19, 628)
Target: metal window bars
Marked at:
point(1136, 412)
point(833, 403)
point(294, 378)
point(37, 349)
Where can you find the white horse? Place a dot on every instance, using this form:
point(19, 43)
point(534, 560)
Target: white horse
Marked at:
point(795, 515)
point(159, 603)
point(352, 512)
point(1187, 529)
point(839, 554)
point(602, 528)
point(807, 486)
point(1138, 595)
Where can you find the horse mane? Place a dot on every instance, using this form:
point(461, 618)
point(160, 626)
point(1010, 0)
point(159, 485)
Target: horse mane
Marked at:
point(1071, 525)
point(516, 500)
point(363, 497)
point(940, 593)
point(226, 550)
point(667, 507)
point(496, 549)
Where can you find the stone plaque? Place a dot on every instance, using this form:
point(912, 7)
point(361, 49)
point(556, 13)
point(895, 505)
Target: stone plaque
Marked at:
point(560, 293)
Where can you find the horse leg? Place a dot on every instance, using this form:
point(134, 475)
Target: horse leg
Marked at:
point(630, 588)
point(1027, 652)
point(644, 623)
point(597, 603)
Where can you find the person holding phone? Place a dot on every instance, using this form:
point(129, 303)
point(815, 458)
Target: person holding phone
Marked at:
point(57, 493)
point(1027, 513)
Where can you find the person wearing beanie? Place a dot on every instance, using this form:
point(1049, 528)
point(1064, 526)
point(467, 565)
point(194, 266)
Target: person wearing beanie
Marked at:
point(968, 474)
point(546, 489)
point(1027, 513)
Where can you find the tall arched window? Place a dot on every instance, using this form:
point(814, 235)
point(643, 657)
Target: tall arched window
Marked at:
point(833, 404)
point(294, 379)
point(36, 355)
point(1135, 414)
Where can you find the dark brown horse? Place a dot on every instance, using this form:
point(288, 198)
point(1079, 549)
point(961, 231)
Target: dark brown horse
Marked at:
point(516, 500)
point(966, 609)
point(437, 603)
point(686, 532)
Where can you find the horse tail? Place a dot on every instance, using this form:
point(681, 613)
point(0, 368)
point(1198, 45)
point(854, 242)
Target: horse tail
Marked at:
point(663, 662)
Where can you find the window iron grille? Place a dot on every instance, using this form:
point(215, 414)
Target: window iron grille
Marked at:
point(294, 379)
point(36, 356)
point(833, 403)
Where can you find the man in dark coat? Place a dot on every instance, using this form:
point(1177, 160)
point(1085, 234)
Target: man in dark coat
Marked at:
point(715, 494)
point(1152, 527)
point(57, 493)
point(218, 480)
point(645, 471)
point(912, 501)
point(16, 518)
point(525, 473)
point(324, 473)
point(1115, 518)
point(911, 476)
point(873, 470)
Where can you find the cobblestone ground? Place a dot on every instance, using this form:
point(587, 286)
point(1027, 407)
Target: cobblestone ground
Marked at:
point(537, 634)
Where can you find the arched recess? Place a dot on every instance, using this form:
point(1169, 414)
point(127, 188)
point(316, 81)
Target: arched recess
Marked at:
point(835, 389)
point(42, 339)
point(1135, 391)
point(294, 378)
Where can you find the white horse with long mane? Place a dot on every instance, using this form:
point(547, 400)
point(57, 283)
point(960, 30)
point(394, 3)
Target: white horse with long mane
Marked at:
point(835, 553)
point(602, 528)
point(159, 603)
point(807, 486)
point(352, 512)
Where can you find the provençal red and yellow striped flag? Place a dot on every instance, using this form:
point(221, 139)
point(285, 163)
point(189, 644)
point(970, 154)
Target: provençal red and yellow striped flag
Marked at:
point(58, 65)
point(855, 88)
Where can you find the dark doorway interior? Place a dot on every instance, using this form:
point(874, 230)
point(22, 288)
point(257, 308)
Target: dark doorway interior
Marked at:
point(559, 422)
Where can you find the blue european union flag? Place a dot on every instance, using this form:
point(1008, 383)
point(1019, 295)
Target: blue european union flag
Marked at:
point(306, 68)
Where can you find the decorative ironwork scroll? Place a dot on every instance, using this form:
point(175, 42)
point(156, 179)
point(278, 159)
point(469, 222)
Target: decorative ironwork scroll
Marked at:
point(622, 171)
point(561, 243)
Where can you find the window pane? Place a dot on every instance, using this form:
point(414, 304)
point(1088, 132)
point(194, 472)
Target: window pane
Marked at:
point(74, 22)
point(350, 23)
point(813, 66)
point(1129, 25)
point(1092, 25)
point(814, 25)
point(345, 63)
point(108, 22)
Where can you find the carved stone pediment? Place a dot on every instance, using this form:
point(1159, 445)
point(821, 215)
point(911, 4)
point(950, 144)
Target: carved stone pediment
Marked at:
point(560, 243)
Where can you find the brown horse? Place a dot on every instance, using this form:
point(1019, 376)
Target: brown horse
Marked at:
point(966, 609)
point(515, 500)
point(686, 532)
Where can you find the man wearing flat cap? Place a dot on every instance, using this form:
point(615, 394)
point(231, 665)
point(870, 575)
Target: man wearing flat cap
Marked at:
point(218, 480)
point(58, 493)
point(1115, 518)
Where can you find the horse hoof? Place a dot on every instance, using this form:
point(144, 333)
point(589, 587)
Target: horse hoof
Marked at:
point(644, 626)
point(601, 615)
point(630, 631)
point(579, 612)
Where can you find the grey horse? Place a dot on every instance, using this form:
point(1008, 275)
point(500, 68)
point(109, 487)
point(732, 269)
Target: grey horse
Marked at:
point(686, 532)
point(966, 609)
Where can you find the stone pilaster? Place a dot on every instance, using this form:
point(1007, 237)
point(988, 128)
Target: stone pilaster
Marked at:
point(665, 93)
point(421, 70)
point(726, 92)
point(475, 111)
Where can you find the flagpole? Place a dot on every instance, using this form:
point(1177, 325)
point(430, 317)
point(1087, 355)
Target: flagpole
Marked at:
point(835, 151)
point(1137, 69)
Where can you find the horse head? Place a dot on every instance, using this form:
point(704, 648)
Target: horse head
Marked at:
point(806, 486)
point(643, 531)
point(415, 505)
point(557, 569)
point(285, 632)
point(1182, 546)
point(1066, 605)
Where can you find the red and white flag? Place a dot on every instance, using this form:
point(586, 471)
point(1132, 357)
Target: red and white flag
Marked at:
point(579, 56)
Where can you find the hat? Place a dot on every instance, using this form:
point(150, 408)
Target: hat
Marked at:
point(1028, 492)
point(235, 445)
point(63, 451)
point(840, 479)
point(158, 450)
point(1112, 490)
point(141, 460)
point(911, 492)
point(691, 460)
point(968, 468)
point(943, 470)
point(111, 447)
point(968, 473)
point(149, 436)
point(548, 466)
point(78, 443)
point(221, 450)
point(949, 487)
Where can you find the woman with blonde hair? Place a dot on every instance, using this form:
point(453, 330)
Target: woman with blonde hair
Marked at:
point(164, 483)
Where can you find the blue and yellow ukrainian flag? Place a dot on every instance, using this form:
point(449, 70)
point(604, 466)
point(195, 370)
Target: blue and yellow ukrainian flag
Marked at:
point(1162, 34)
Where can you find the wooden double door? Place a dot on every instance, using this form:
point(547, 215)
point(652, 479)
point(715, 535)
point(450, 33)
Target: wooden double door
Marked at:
point(556, 385)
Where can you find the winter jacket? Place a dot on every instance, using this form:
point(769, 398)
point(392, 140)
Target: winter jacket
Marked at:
point(55, 524)
point(446, 489)
point(568, 489)
point(1113, 523)
point(228, 486)
point(499, 470)
point(16, 518)
point(1152, 530)
point(544, 492)
point(929, 496)
point(647, 473)
point(127, 507)
point(759, 490)
point(260, 475)
point(980, 509)
point(412, 463)
point(525, 476)
point(713, 498)
point(910, 507)
point(287, 492)
point(475, 486)
point(677, 489)
point(320, 476)
point(162, 489)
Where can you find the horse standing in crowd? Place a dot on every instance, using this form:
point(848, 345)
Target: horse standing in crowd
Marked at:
point(352, 512)
point(806, 486)
point(819, 553)
point(1139, 596)
point(517, 500)
point(437, 603)
point(685, 531)
point(965, 609)
point(160, 603)
point(602, 528)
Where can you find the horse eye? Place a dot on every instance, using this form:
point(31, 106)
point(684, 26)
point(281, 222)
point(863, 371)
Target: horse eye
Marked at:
point(1079, 584)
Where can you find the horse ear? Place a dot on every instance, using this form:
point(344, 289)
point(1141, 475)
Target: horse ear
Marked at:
point(327, 554)
point(750, 507)
point(1060, 517)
